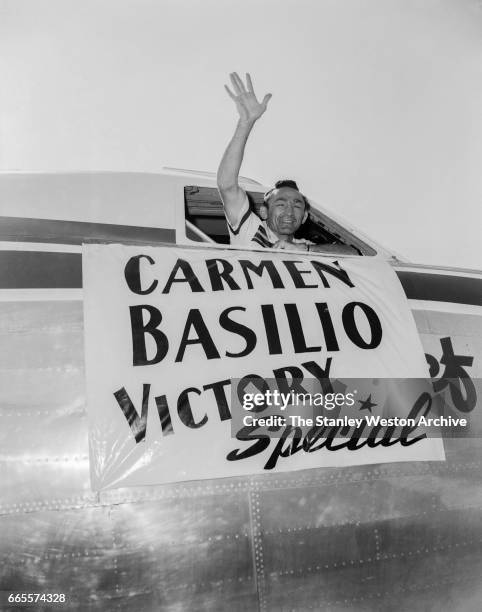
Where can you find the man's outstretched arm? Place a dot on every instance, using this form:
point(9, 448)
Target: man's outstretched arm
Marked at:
point(249, 111)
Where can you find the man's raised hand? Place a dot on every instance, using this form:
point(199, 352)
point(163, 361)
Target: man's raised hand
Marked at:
point(249, 109)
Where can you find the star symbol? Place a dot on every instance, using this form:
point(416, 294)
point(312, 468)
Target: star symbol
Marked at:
point(367, 404)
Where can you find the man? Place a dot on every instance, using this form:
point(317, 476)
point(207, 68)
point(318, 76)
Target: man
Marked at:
point(284, 209)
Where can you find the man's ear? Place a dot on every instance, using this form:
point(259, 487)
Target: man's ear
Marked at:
point(305, 216)
point(263, 212)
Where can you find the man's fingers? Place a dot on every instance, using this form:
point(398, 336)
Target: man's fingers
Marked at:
point(239, 82)
point(266, 99)
point(237, 90)
point(240, 89)
point(230, 93)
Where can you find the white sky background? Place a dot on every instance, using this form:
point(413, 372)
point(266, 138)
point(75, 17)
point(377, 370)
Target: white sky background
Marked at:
point(376, 108)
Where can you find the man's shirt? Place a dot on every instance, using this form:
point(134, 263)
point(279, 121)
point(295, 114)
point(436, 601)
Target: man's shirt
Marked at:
point(253, 231)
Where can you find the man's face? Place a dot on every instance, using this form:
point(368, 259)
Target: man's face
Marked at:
point(285, 211)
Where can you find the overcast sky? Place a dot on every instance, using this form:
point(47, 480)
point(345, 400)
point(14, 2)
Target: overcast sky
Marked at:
point(376, 108)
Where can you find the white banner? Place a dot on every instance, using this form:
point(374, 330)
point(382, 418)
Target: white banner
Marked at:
point(167, 329)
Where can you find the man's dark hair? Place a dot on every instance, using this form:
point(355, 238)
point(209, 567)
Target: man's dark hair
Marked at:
point(286, 183)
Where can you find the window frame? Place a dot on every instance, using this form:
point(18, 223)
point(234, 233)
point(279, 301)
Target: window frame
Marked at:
point(179, 194)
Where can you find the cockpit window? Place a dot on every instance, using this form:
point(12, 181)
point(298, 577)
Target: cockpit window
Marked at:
point(205, 217)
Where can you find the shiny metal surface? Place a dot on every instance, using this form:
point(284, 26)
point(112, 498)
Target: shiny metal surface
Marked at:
point(402, 537)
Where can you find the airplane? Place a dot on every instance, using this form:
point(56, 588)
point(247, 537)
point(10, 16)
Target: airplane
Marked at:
point(391, 536)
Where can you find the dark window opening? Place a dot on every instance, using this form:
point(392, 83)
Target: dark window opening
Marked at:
point(204, 211)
